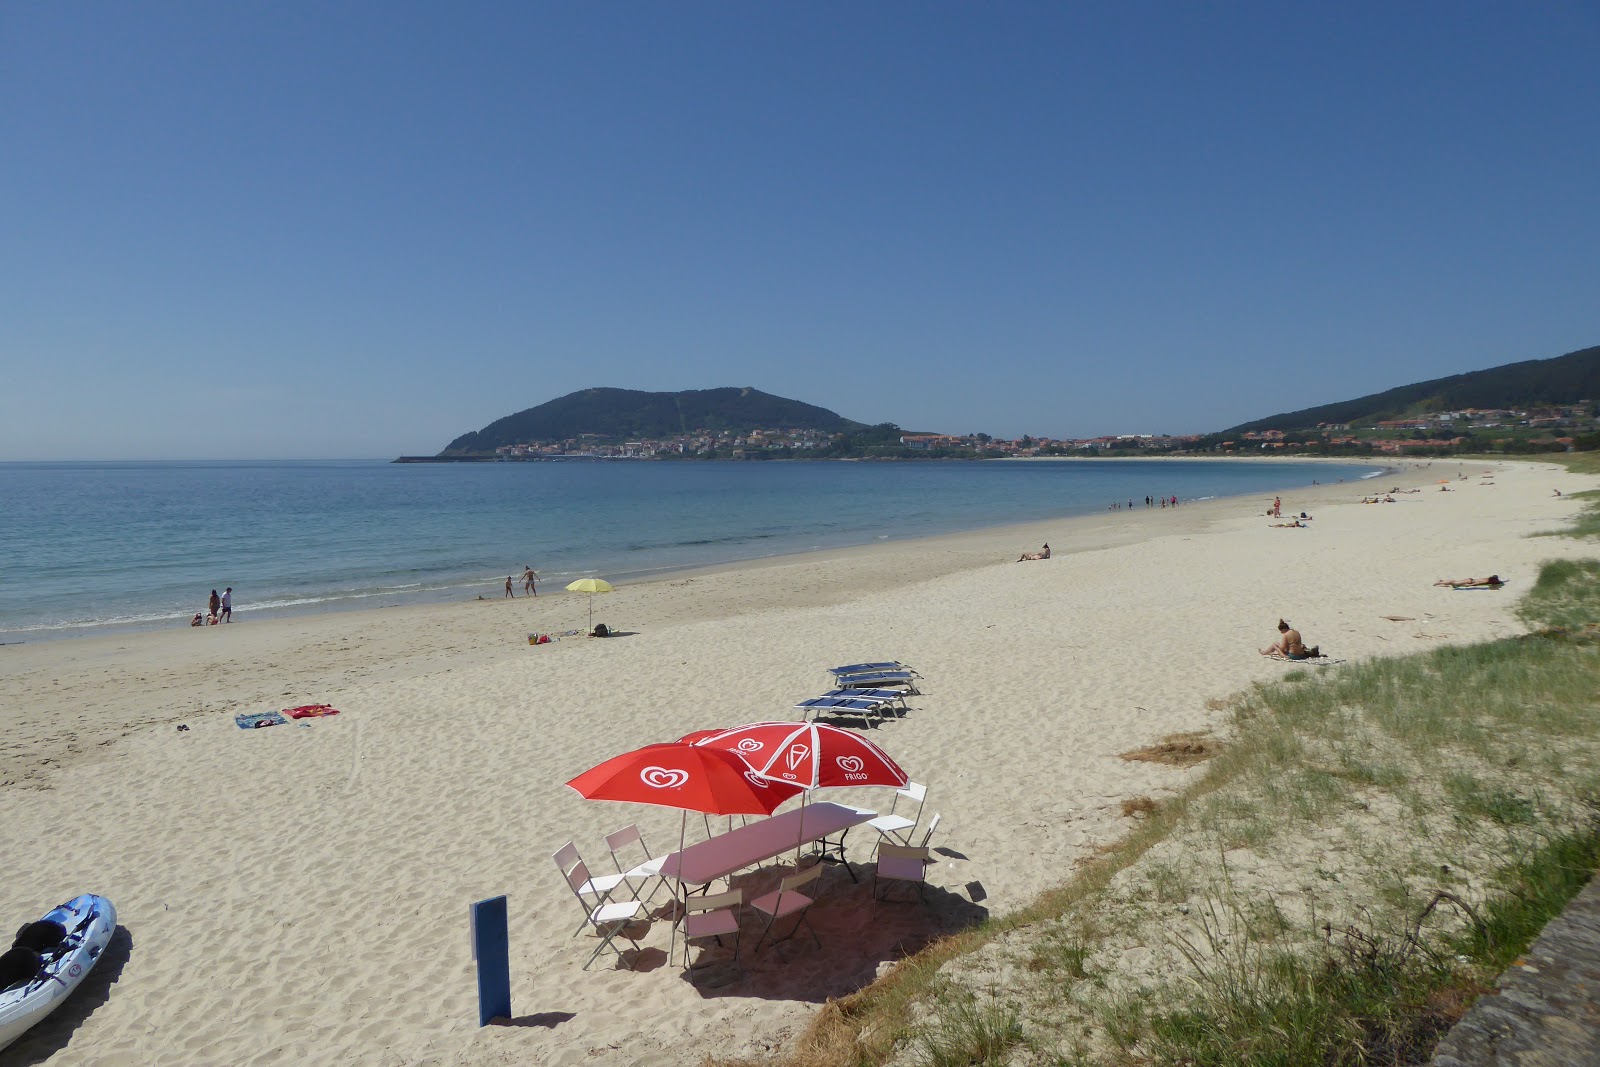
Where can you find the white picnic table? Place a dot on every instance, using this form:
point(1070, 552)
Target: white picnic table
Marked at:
point(720, 856)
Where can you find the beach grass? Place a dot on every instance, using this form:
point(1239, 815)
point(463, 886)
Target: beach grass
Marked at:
point(1347, 870)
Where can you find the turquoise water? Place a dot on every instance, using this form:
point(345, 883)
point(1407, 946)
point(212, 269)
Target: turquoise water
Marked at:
point(85, 547)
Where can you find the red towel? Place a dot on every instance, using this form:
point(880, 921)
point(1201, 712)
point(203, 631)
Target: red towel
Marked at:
point(310, 711)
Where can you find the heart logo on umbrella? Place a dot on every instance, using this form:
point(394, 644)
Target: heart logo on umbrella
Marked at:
point(797, 755)
point(756, 780)
point(662, 778)
point(850, 764)
point(749, 744)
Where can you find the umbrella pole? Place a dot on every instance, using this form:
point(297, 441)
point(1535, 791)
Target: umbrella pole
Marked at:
point(800, 833)
point(680, 898)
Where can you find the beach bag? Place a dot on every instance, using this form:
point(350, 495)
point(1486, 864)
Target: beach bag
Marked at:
point(600, 630)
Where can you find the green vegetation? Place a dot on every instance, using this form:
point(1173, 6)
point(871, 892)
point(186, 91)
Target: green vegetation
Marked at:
point(617, 414)
point(1370, 848)
point(1563, 380)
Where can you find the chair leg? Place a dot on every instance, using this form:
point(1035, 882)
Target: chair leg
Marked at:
point(800, 921)
point(606, 943)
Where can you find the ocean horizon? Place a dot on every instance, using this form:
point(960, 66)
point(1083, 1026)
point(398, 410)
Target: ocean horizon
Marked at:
point(94, 547)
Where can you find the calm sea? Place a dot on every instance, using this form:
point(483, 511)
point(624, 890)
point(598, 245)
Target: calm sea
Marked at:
point(87, 547)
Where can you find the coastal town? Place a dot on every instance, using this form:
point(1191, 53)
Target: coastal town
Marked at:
point(1553, 429)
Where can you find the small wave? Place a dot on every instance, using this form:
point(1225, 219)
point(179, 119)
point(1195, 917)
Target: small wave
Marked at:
point(737, 539)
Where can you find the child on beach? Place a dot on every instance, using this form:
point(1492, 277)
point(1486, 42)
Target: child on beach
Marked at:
point(509, 593)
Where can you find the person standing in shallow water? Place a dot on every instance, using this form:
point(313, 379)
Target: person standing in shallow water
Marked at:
point(214, 604)
point(227, 604)
point(509, 593)
point(530, 581)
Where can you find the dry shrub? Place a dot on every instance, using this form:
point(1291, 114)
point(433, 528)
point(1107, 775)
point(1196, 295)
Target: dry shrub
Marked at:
point(1138, 806)
point(1218, 704)
point(1177, 750)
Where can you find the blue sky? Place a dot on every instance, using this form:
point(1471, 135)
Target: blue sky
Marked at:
point(303, 230)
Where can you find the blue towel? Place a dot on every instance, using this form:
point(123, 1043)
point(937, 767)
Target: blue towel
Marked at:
point(255, 722)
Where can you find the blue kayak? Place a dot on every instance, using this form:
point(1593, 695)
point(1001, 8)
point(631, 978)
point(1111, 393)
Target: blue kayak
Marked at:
point(49, 958)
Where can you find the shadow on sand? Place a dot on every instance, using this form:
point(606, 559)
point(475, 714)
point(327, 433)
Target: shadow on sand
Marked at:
point(549, 1020)
point(858, 936)
point(52, 1035)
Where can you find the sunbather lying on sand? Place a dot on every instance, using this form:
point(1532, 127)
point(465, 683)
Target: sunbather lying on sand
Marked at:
point(1493, 581)
point(1283, 525)
point(1290, 646)
point(1043, 553)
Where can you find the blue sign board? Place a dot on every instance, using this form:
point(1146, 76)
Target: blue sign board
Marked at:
point(491, 948)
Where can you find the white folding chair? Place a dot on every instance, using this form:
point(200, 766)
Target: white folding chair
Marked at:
point(600, 887)
point(638, 872)
point(901, 863)
point(608, 918)
point(897, 828)
point(712, 916)
point(788, 900)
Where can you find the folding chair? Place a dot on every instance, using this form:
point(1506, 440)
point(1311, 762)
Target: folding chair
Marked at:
point(600, 888)
point(607, 918)
point(650, 868)
point(897, 828)
point(788, 900)
point(933, 824)
point(712, 917)
point(901, 863)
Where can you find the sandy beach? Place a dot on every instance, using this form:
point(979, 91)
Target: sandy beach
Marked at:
point(300, 894)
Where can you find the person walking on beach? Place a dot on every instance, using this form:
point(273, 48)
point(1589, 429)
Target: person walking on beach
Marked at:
point(1277, 507)
point(214, 604)
point(509, 593)
point(227, 604)
point(530, 581)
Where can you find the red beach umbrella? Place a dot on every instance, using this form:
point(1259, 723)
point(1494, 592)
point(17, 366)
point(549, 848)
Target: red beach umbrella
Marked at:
point(694, 736)
point(687, 777)
point(811, 755)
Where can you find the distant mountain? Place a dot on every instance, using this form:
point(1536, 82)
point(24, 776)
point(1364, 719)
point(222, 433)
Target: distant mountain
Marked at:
point(630, 413)
point(1532, 383)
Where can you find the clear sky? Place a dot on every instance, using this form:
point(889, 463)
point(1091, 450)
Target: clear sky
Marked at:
point(251, 229)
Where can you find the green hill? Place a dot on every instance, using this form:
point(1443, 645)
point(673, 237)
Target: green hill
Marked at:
point(1532, 383)
point(633, 414)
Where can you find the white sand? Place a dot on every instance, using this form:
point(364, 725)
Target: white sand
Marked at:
point(300, 895)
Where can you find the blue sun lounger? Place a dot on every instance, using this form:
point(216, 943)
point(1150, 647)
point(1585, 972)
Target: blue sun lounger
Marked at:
point(863, 668)
point(877, 680)
point(842, 705)
point(885, 696)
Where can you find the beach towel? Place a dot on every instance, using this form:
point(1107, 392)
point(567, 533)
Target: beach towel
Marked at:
point(310, 711)
point(257, 721)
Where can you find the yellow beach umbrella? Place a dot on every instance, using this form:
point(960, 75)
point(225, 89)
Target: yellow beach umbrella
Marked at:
point(591, 586)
